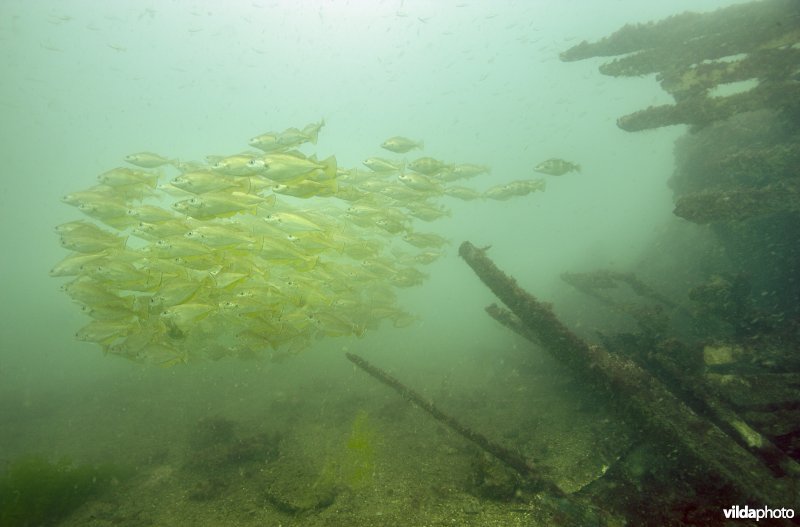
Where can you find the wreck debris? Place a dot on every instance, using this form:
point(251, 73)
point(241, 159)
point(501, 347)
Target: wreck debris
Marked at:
point(727, 298)
point(752, 46)
point(593, 283)
point(512, 459)
point(646, 399)
point(738, 203)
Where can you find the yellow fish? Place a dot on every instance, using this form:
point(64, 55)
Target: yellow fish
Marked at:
point(282, 168)
point(202, 181)
point(521, 187)
point(235, 165)
point(121, 176)
point(307, 188)
point(401, 145)
point(147, 160)
point(462, 193)
point(182, 315)
point(427, 165)
point(419, 182)
point(378, 164)
point(556, 167)
point(423, 241)
point(219, 205)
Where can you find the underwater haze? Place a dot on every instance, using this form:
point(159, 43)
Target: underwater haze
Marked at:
point(86, 83)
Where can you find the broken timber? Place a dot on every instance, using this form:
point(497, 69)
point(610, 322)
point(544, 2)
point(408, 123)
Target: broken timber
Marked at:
point(646, 398)
point(512, 459)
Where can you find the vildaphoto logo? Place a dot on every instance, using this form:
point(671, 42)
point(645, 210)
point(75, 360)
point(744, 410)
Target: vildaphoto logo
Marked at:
point(762, 513)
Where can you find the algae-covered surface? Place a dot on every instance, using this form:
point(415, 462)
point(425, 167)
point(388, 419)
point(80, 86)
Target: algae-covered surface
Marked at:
point(249, 444)
point(239, 275)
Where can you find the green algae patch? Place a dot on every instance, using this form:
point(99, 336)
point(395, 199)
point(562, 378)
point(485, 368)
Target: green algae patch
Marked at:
point(35, 491)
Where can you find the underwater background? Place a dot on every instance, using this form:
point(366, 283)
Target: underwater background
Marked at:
point(310, 440)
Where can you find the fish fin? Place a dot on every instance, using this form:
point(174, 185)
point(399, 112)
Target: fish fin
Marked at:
point(330, 167)
point(329, 187)
point(314, 132)
point(578, 168)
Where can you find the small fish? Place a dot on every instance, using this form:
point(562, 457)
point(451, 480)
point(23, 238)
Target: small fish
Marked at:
point(556, 167)
point(283, 168)
point(462, 171)
point(235, 165)
point(91, 240)
point(110, 213)
point(120, 177)
point(424, 241)
point(291, 137)
point(521, 187)
point(160, 229)
point(74, 264)
point(219, 205)
point(96, 195)
point(150, 214)
point(290, 220)
point(419, 182)
point(427, 165)
point(103, 331)
point(427, 212)
point(202, 181)
point(91, 292)
point(378, 164)
point(147, 160)
point(401, 145)
point(184, 315)
point(307, 188)
point(218, 236)
point(462, 193)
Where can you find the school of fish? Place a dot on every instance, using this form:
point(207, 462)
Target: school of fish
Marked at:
point(258, 252)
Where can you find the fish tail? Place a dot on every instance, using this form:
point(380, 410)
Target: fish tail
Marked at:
point(421, 145)
point(330, 167)
point(332, 186)
point(314, 133)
